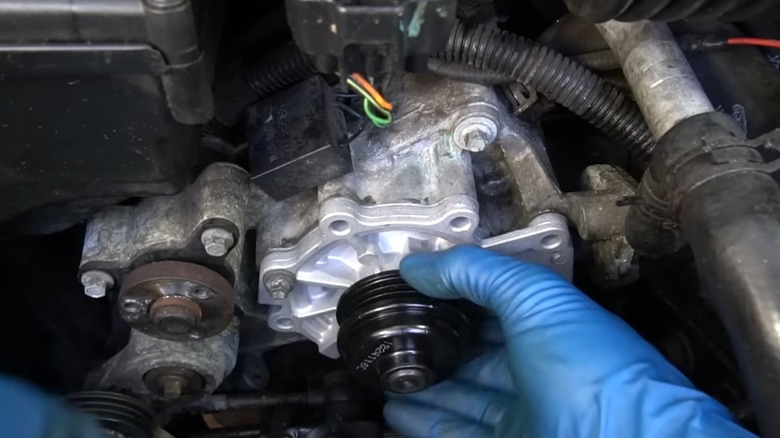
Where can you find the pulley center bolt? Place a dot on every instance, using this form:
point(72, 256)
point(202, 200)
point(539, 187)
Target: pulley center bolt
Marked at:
point(376, 316)
point(175, 315)
point(407, 380)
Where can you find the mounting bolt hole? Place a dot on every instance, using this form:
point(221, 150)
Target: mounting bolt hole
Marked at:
point(285, 323)
point(552, 241)
point(460, 224)
point(339, 227)
point(132, 306)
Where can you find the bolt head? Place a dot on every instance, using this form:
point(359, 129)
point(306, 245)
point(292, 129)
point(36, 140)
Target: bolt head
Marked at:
point(279, 283)
point(175, 320)
point(279, 294)
point(132, 306)
point(200, 294)
point(476, 141)
point(407, 380)
point(171, 386)
point(96, 283)
point(175, 315)
point(476, 132)
point(217, 241)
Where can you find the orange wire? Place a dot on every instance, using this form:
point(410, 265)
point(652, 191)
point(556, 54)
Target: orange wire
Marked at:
point(372, 91)
point(754, 42)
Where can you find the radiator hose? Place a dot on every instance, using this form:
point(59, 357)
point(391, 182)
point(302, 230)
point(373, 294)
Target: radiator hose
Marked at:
point(717, 187)
point(556, 76)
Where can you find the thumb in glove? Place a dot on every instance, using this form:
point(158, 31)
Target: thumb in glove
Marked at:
point(568, 367)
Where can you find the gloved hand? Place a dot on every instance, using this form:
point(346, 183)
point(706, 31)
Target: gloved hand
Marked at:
point(28, 413)
point(568, 367)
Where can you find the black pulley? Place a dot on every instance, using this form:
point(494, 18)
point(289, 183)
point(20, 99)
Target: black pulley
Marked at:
point(118, 414)
point(397, 339)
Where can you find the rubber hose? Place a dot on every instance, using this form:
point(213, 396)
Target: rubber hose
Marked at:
point(598, 11)
point(466, 73)
point(279, 70)
point(603, 60)
point(733, 226)
point(559, 78)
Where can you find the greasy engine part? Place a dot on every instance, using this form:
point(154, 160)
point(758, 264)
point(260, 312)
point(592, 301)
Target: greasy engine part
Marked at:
point(711, 186)
point(373, 37)
point(398, 340)
point(474, 54)
point(566, 82)
point(297, 140)
point(163, 371)
point(312, 247)
point(118, 414)
point(176, 300)
point(672, 10)
point(204, 225)
point(456, 166)
point(173, 383)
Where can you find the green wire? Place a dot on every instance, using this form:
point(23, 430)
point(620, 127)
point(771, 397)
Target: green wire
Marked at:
point(384, 118)
point(379, 121)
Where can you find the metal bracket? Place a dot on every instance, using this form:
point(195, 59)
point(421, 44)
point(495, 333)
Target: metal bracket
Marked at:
point(354, 241)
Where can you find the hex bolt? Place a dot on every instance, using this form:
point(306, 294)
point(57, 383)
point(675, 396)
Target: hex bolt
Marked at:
point(476, 132)
point(407, 380)
point(279, 283)
point(476, 141)
point(200, 294)
point(171, 386)
point(175, 315)
point(217, 241)
point(96, 283)
point(132, 306)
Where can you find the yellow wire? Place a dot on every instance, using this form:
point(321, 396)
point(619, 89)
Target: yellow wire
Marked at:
point(372, 91)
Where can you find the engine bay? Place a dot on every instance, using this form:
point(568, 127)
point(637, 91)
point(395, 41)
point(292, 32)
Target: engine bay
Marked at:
point(204, 205)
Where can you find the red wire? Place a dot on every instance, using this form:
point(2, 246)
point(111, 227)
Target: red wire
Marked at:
point(754, 42)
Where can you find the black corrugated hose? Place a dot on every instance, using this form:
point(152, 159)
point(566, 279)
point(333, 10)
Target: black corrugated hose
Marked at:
point(559, 78)
point(466, 73)
point(279, 70)
point(494, 55)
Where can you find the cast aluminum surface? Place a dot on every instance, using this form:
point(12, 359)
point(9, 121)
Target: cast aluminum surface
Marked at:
point(121, 238)
point(212, 359)
point(412, 190)
point(327, 261)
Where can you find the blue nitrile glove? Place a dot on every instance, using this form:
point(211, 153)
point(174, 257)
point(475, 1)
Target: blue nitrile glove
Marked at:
point(26, 412)
point(568, 367)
